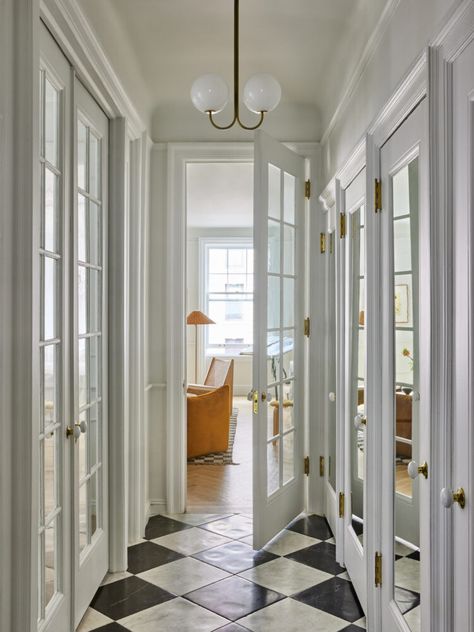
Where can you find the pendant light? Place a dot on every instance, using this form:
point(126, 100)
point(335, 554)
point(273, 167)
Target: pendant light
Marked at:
point(210, 93)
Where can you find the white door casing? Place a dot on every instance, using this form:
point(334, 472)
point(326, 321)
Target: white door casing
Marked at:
point(278, 434)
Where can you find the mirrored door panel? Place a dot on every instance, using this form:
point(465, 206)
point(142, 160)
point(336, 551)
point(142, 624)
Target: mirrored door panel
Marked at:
point(407, 560)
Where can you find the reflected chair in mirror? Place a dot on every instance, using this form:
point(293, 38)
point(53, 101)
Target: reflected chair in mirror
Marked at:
point(209, 408)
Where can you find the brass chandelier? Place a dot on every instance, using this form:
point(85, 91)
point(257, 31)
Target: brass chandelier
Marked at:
point(210, 93)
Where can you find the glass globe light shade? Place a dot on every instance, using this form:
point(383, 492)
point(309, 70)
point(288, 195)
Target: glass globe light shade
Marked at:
point(209, 93)
point(262, 93)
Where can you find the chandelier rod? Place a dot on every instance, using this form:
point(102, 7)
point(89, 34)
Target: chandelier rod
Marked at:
point(236, 82)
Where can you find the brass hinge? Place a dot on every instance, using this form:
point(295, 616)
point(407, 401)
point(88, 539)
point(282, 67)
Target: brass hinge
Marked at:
point(341, 504)
point(321, 466)
point(322, 243)
point(342, 225)
point(378, 195)
point(307, 189)
point(307, 327)
point(378, 569)
point(306, 465)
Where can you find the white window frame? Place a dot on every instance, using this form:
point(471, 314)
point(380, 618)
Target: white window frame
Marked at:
point(205, 243)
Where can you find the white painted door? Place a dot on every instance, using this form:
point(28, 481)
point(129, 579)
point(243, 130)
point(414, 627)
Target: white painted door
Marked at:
point(278, 435)
point(52, 364)
point(72, 540)
point(405, 349)
point(353, 386)
point(90, 347)
point(463, 339)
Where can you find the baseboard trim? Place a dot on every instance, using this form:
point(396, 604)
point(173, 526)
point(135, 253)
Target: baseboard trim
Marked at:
point(155, 506)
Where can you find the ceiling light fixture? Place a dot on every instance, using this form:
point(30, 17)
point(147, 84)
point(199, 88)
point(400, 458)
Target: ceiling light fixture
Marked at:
point(210, 93)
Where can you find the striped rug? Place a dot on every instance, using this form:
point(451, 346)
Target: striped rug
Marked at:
point(220, 458)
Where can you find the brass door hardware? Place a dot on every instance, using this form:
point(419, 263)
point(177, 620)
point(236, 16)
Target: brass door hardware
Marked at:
point(378, 569)
point(448, 497)
point(321, 466)
point(322, 243)
point(414, 469)
point(307, 189)
point(307, 327)
point(341, 504)
point(378, 196)
point(74, 431)
point(306, 465)
point(342, 225)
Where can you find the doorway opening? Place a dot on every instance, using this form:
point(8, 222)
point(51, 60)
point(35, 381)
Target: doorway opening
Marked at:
point(219, 340)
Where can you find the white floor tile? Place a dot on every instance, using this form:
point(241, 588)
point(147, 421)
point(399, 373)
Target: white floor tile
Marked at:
point(413, 619)
point(345, 575)
point(285, 576)
point(362, 623)
point(191, 541)
point(407, 574)
point(234, 527)
point(110, 578)
point(288, 542)
point(292, 616)
point(183, 575)
point(92, 620)
point(177, 615)
point(247, 540)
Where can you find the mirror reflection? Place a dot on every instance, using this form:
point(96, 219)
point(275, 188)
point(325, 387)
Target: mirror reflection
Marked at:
point(407, 561)
point(331, 369)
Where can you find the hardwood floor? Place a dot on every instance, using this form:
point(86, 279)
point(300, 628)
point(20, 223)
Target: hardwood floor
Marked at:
point(226, 488)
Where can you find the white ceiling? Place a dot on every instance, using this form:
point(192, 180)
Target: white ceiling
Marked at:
point(311, 46)
point(219, 195)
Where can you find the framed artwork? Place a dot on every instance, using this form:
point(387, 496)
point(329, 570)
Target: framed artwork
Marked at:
point(402, 316)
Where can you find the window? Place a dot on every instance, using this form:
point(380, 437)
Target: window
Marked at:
point(228, 296)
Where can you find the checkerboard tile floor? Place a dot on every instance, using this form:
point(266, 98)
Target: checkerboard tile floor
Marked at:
point(199, 573)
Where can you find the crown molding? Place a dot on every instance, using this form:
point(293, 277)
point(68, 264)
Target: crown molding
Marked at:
point(78, 42)
point(368, 53)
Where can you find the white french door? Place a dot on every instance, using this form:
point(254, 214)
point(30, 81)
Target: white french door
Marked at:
point(278, 436)
point(72, 360)
point(354, 384)
point(405, 349)
point(463, 346)
point(90, 348)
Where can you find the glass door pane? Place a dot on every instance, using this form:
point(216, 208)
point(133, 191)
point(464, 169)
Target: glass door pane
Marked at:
point(89, 334)
point(51, 470)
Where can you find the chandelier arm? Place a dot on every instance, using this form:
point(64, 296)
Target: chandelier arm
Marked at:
point(250, 128)
point(214, 124)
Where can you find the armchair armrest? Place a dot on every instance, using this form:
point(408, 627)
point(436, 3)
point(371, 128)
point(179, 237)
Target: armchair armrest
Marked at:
point(200, 389)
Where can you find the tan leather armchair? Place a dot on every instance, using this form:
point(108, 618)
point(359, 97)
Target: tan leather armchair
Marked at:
point(210, 408)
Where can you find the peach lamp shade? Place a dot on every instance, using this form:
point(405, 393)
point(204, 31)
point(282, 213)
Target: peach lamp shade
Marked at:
point(197, 318)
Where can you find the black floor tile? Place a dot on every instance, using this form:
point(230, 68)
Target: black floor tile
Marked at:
point(127, 596)
point(160, 525)
point(314, 526)
point(232, 627)
point(406, 599)
point(335, 596)
point(358, 527)
point(414, 556)
point(234, 597)
point(321, 556)
point(111, 627)
point(352, 628)
point(146, 555)
point(234, 557)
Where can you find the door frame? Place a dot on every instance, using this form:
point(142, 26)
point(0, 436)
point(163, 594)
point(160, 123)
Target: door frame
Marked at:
point(178, 155)
point(75, 38)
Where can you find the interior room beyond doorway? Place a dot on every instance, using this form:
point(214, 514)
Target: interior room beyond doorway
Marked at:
point(219, 282)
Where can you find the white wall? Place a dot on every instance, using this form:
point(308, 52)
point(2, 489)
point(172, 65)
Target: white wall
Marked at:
point(413, 25)
point(242, 364)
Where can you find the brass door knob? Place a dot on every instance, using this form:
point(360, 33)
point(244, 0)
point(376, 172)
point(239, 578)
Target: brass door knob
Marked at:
point(73, 431)
point(448, 497)
point(414, 469)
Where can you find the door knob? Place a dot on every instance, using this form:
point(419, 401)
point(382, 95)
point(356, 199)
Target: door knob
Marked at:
point(448, 497)
point(250, 395)
point(82, 425)
point(414, 469)
point(73, 431)
point(360, 421)
point(332, 396)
